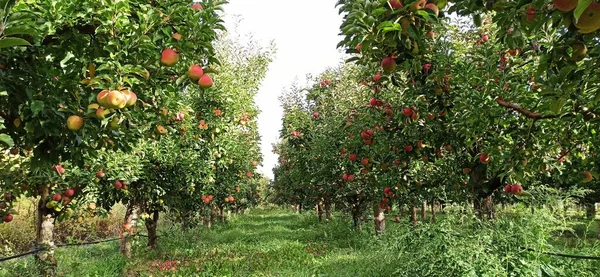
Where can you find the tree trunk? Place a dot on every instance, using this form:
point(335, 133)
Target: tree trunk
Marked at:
point(424, 211)
point(297, 206)
point(328, 209)
point(151, 224)
point(356, 220)
point(45, 236)
point(320, 211)
point(222, 214)
point(413, 215)
point(300, 208)
point(433, 218)
point(379, 219)
point(207, 221)
point(127, 230)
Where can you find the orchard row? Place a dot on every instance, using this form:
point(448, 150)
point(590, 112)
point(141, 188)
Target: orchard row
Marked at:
point(119, 105)
point(447, 101)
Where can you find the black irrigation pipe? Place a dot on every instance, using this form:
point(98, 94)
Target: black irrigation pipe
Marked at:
point(3, 259)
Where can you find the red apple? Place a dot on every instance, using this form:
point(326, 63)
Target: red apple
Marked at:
point(395, 4)
point(376, 77)
point(74, 123)
point(565, 5)
point(100, 174)
point(7, 218)
point(316, 115)
point(388, 64)
point(118, 185)
point(352, 157)
point(407, 111)
point(69, 192)
point(364, 161)
point(196, 6)
point(516, 189)
point(484, 158)
point(408, 148)
point(195, 72)
point(587, 176)
point(169, 57)
point(433, 8)
point(205, 81)
point(57, 197)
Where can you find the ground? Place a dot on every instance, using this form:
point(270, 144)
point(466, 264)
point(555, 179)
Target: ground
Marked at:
point(265, 242)
point(278, 242)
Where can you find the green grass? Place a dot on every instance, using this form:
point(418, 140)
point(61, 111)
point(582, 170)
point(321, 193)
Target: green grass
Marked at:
point(281, 243)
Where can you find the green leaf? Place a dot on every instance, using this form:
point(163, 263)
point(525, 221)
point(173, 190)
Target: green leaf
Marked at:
point(64, 61)
point(6, 139)
point(557, 105)
point(10, 42)
point(36, 107)
point(19, 30)
point(581, 6)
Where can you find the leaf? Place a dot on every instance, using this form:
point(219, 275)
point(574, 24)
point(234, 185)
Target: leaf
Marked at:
point(6, 139)
point(64, 61)
point(581, 6)
point(19, 30)
point(36, 107)
point(10, 42)
point(557, 105)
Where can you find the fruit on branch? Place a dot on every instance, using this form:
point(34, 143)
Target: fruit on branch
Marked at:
point(353, 157)
point(433, 8)
point(116, 100)
point(364, 161)
point(417, 5)
point(101, 113)
point(408, 148)
point(57, 197)
point(169, 57)
point(565, 5)
point(484, 158)
point(516, 189)
point(405, 22)
point(589, 21)
point(587, 176)
point(69, 192)
point(205, 81)
point(316, 115)
point(196, 6)
point(508, 188)
point(114, 124)
point(7, 218)
point(74, 123)
point(388, 64)
point(59, 169)
point(249, 174)
point(407, 111)
point(101, 98)
point(579, 51)
point(195, 72)
point(530, 13)
point(118, 185)
point(130, 97)
point(160, 130)
point(395, 4)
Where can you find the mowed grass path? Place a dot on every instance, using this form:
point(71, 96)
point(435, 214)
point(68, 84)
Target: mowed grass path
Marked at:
point(261, 243)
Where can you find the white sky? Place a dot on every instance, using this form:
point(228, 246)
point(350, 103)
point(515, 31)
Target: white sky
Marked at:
point(305, 34)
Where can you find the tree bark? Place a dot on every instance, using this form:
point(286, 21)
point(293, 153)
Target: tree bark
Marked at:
point(127, 230)
point(424, 211)
point(320, 211)
point(433, 218)
point(413, 215)
point(356, 221)
point(45, 259)
point(151, 224)
point(379, 219)
point(297, 206)
point(328, 209)
point(222, 214)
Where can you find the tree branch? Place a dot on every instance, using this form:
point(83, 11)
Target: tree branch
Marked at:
point(527, 113)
